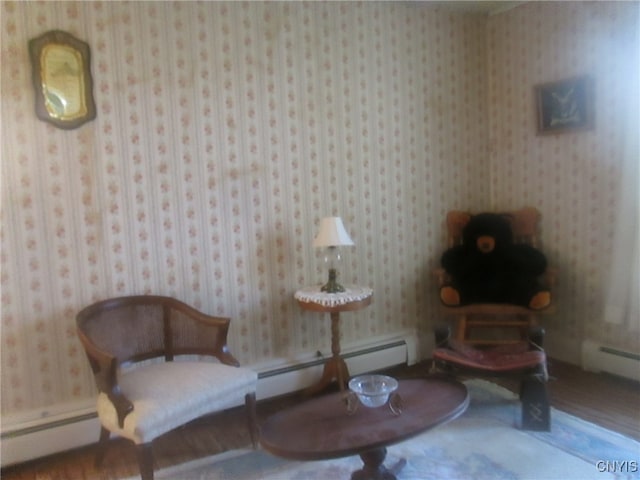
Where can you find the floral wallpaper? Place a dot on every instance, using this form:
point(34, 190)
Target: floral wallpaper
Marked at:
point(225, 131)
point(573, 178)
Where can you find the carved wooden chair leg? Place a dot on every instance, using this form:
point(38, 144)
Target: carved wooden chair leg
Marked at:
point(442, 334)
point(536, 412)
point(250, 405)
point(145, 461)
point(103, 443)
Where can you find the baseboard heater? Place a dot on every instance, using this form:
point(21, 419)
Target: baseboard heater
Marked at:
point(603, 358)
point(49, 433)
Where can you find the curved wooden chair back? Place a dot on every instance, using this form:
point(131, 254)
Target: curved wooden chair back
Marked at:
point(137, 328)
point(524, 225)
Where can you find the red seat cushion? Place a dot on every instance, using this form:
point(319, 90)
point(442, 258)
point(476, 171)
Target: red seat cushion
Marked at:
point(503, 358)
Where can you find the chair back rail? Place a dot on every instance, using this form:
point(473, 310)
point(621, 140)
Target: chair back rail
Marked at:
point(524, 225)
point(138, 328)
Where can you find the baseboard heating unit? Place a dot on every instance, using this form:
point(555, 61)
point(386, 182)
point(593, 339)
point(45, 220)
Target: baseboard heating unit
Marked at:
point(602, 358)
point(68, 427)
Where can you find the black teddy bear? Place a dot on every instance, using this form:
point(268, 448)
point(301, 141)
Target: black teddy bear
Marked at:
point(488, 267)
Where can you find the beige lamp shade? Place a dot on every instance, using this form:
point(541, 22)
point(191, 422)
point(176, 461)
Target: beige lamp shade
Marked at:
point(332, 234)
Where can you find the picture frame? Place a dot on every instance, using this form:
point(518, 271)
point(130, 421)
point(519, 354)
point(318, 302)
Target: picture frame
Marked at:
point(565, 105)
point(62, 80)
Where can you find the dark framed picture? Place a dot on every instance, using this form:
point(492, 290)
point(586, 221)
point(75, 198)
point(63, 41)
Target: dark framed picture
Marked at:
point(565, 105)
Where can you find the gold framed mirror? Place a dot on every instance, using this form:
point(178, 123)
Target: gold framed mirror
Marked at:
point(62, 79)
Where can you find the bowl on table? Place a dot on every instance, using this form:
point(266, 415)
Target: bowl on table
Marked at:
point(373, 390)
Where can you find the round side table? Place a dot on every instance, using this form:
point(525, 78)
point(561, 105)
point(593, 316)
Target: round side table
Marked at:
point(353, 298)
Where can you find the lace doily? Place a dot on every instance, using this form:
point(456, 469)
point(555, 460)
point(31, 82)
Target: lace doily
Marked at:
point(351, 294)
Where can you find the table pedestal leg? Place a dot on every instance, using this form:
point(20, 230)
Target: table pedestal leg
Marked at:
point(335, 369)
point(374, 469)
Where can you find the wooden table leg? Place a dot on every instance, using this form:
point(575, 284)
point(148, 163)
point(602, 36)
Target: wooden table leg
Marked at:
point(335, 369)
point(374, 468)
point(342, 372)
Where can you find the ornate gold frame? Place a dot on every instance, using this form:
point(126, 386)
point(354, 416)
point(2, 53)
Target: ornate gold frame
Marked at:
point(62, 79)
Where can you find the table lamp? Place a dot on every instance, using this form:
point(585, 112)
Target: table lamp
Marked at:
point(331, 236)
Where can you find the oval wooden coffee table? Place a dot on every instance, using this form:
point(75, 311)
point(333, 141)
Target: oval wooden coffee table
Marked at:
point(321, 428)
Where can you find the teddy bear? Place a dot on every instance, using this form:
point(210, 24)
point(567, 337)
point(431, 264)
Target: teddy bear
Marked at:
point(488, 267)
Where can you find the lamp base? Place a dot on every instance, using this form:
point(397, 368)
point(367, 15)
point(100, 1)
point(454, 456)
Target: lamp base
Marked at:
point(332, 285)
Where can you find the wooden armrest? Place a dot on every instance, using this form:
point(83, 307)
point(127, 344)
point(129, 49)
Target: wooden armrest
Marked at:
point(220, 348)
point(121, 403)
point(219, 328)
point(228, 359)
point(105, 371)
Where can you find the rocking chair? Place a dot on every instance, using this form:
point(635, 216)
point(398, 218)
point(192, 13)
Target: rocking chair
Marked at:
point(498, 339)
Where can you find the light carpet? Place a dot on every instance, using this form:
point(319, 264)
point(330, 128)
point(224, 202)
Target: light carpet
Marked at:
point(484, 443)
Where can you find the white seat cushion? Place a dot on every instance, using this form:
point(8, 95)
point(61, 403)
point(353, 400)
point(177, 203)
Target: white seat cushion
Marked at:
point(169, 394)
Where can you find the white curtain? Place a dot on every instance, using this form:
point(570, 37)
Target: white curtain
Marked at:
point(623, 299)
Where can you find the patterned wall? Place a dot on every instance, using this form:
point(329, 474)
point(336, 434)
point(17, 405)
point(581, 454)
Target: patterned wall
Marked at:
point(573, 178)
point(224, 133)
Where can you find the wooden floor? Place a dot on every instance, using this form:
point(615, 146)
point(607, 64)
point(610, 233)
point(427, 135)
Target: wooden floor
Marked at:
point(605, 400)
